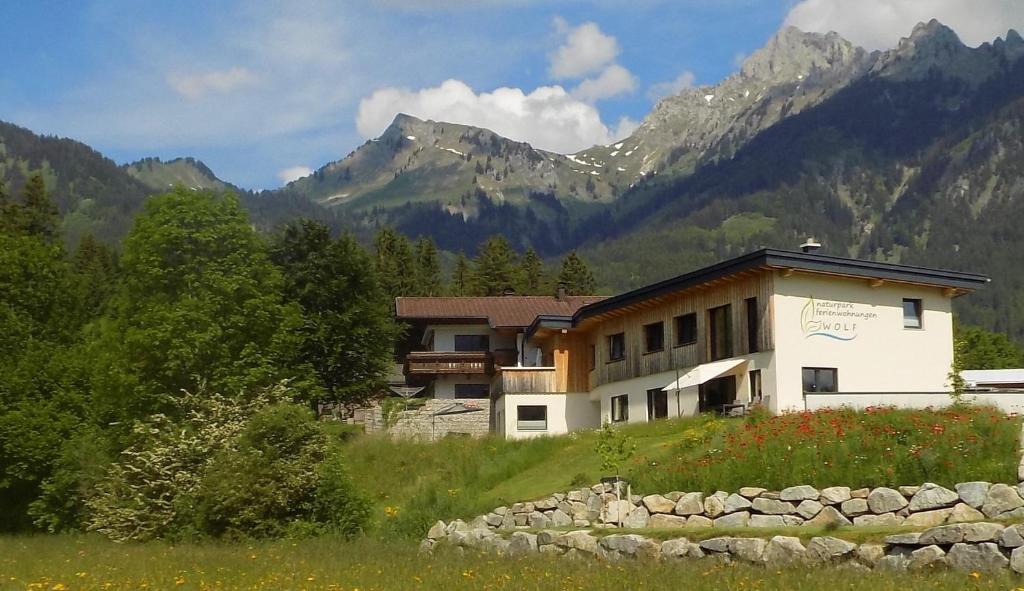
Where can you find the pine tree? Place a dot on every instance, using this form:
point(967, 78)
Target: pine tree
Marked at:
point(496, 268)
point(10, 213)
point(575, 275)
point(531, 271)
point(428, 268)
point(461, 276)
point(394, 263)
point(38, 212)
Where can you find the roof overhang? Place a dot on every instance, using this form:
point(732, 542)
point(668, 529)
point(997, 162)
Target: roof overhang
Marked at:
point(706, 372)
point(546, 323)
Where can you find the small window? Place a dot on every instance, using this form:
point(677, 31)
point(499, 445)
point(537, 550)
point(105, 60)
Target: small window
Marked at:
point(620, 409)
point(532, 418)
point(593, 357)
point(472, 342)
point(753, 326)
point(469, 391)
point(820, 379)
point(911, 313)
point(686, 329)
point(657, 404)
point(654, 337)
point(617, 346)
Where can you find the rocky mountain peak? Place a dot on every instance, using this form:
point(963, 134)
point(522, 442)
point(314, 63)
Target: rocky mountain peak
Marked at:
point(933, 37)
point(793, 54)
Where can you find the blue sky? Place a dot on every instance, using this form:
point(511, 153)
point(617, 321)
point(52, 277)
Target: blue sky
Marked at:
point(263, 90)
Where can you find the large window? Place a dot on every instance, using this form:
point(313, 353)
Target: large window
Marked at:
point(756, 387)
point(616, 346)
point(466, 391)
point(472, 342)
point(720, 329)
point(753, 325)
point(686, 329)
point(532, 418)
point(654, 337)
point(657, 404)
point(620, 409)
point(911, 313)
point(821, 379)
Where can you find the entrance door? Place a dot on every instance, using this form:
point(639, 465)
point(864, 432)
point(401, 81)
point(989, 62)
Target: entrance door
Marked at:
point(657, 404)
point(716, 393)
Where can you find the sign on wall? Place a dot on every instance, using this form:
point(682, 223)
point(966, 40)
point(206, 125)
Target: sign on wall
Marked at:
point(833, 319)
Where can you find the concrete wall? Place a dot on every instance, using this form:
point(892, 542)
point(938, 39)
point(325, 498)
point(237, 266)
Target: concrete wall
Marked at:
point(444, 385)
point(857, 329)
point(566, 412)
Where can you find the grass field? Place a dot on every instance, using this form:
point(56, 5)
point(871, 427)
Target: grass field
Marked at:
point(63, 563)
point(414, 484)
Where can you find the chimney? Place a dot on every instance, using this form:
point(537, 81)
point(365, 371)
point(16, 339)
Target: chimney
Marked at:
point(560, 294)
point(810, 246)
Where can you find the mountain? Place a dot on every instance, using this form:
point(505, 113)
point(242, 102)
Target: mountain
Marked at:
point(159, 175)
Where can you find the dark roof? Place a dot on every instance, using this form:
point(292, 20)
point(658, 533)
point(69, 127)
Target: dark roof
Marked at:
point(498, 311)
point(785, 259)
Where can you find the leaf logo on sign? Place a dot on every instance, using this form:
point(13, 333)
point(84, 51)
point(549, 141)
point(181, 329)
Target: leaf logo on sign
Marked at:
point(813, 325)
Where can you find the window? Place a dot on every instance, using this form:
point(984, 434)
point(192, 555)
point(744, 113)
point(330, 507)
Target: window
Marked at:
point(617, 346)
point(620, 409)
point(686, 329)
point(720, 329)
point(911, 313)
point(472, 342)
point(654, 337)
point(657, 404)
point(820, 379)
point(593, 357)
point(756, 393)
point(753, 325)
point(532, 418)
point(463, 391)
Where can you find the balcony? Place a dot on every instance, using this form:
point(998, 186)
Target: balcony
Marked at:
point(523, 380)
point(427, 363)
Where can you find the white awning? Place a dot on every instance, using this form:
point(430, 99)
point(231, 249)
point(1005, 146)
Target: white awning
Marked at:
point(705, 372)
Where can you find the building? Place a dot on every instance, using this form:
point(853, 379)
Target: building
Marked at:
point(984, 380)
point(785, 330)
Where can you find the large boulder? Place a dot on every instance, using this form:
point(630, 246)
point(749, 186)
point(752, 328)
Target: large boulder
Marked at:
point(885, 500)
point(436, 531)
point(883, 520)
point(738, 519)
point(784, 551)
point(638, 518)
point(699, 521)
point(690, 504)
point(662, 521)
point(1012, 536)
point(560, 518)
point(617, 511)
point(658, 504)
point(854, 507)
point(983, 532)
point(578, 540)
point(932, 496)
point(521, 543)
point(808, 509)
point(545, 504)
point(1017, 559)
point(973, 493)
point(538, 520)
point(828, 548)
point(834, 495)
point(799, 493)
point(770, 521)
point(962, 513)
point(984, 557)
point(680, 548)
point(869, 553)
point(926, 557)
point(751, 492)
point(928, 518)
point(631, 545)
point(735, 502)
point(714, 506)
point(748, 549)
point(773, 507)
point(828, 517)
point(1001, 499)
point(943, 534)
point(719, 544)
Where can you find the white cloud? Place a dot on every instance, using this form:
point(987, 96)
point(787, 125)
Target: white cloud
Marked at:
point(625, 128)
point(613, 81)
point(196, 86)
point(879, 24)
point(682, 82)
point(548, 117)
point(294, 173)
point(587, 49)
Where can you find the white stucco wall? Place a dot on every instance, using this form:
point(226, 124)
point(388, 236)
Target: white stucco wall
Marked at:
point(858, 329)
point(1008, 402)
point(566, 412)
point(444, 334)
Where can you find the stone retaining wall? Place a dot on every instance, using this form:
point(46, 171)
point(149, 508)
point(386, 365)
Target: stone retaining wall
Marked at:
point(421, 424)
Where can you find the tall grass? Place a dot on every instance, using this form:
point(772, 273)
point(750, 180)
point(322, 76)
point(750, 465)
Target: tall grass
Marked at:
point(63, 563)
point(879, 447)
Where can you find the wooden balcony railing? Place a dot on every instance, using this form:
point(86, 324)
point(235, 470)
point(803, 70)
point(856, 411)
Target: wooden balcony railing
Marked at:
point(449, 362)
point(523, 380)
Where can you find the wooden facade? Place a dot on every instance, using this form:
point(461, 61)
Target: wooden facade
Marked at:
point(449, 362)
point(572, 352)
point(524, 380)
